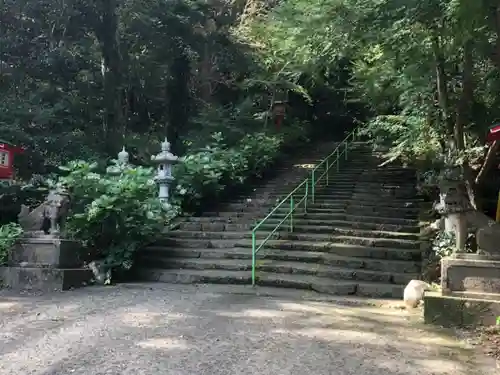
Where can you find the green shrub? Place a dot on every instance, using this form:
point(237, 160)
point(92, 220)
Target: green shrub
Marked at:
point(114, 216)
point(9, 233)
point(209, 171)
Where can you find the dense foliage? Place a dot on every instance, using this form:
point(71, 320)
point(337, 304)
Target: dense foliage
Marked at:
point(9, 233)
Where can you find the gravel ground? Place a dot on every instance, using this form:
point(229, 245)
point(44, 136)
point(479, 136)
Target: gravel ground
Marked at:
point(170, 330)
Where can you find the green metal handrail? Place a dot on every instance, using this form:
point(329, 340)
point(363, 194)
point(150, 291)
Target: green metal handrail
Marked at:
point(326, 164)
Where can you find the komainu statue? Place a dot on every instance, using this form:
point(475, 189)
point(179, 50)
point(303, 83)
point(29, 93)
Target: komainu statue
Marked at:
point(48, 217)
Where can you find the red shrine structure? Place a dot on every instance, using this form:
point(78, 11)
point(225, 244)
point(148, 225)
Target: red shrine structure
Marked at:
point(493, 133)
point(7, 152)
point(279, 112)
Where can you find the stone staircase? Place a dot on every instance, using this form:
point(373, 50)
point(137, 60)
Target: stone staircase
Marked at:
point(359, 237)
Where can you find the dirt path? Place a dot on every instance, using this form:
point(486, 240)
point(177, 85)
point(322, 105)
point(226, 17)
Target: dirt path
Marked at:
point(187, 330)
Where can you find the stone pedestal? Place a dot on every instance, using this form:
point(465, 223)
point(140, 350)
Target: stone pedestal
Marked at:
point(45, 263)
point(470, 292)
point(458, 311)
point(471, 275)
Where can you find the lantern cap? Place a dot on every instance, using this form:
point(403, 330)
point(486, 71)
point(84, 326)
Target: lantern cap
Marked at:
point(165, 156)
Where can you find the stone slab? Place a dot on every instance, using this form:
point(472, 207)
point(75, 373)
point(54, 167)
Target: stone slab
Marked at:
point(46, 251)
point(457, 311)
point(44, 279)
point(470, 273)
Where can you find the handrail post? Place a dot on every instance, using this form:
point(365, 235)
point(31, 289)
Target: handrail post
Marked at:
point(306, 196)
point(291, 213)
point(312, 186)
point(327, 171)
point(338, 160)
point(253, 258)
point(346, 150)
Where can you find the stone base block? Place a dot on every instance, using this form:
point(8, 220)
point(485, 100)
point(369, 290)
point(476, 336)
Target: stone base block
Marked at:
point(44, 279)
point(470, 273)
point(459, 311)
point(46, 251)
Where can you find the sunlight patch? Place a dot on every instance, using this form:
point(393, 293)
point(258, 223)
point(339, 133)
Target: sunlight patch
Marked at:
point(9, 305)
point(333, 334)
point(68, 308)
point(252, 313)
point(163, 343)
point(137, 319)
point(300, 307)
point(305, 166)
point(444, 366)
point(435, 340)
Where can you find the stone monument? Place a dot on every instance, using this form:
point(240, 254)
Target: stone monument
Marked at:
point(42, 259)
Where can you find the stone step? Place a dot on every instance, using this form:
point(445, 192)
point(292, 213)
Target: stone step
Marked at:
point(337, 218)
point(360, 180)
point(296, 236)
point(388, 212)
point(364, 209)
point(371, 199)
point(197, 243)
point(309, 217)
point(287, 267)
point(265, 202)
point(339, 190)
point(382, 213)
point(359, 188)
point(341, 255)
point(319, 284)
point(335, 230)
point(397, 199)
point(301, 225)
point(374, 204)
point(306, 249)
point(237, 236)
point(355, 240)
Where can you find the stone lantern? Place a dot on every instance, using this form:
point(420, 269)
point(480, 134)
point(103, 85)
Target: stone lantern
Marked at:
point(165, 159)
point(123, 157)
point(122, 163)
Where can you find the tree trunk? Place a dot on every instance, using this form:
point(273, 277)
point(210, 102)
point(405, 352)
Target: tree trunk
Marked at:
point(442, 85)
point(107, 35)
point(463, 112)
point(178, 100)
point(494, 18)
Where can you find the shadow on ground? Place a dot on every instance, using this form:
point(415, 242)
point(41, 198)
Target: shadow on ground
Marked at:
point(187, 330)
